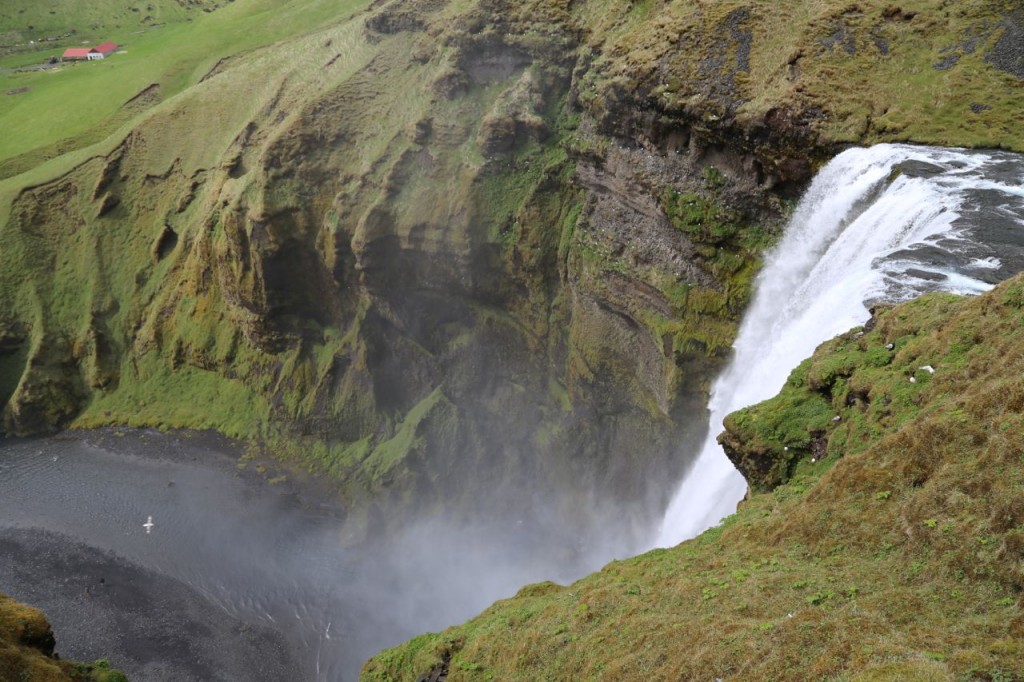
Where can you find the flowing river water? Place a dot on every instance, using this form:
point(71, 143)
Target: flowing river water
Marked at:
point(202, 594)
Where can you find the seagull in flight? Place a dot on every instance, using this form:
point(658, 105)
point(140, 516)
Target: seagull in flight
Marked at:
point(148, 525)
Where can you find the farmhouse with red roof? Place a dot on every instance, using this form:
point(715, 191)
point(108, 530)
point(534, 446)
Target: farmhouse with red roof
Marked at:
point(101, 51)
point(73, 54)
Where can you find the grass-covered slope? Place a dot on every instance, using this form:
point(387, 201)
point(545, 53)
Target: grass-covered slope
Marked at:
point(49, 113)
point(26, 650)
point(886, 545)
point(44, 20)
point(858, 72)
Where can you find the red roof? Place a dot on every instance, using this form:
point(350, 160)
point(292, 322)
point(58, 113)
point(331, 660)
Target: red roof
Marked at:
point(105, 48)
point(76, 53)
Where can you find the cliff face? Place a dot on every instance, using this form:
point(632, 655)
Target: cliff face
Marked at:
point(411, 259)
point(452, 246)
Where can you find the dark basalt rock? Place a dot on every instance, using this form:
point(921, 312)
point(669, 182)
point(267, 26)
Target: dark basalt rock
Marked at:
point(1008, 52)
point(437, 674)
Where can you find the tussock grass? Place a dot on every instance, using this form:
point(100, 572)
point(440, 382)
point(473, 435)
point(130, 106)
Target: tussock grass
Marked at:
point(25, 638)
point(896, 554)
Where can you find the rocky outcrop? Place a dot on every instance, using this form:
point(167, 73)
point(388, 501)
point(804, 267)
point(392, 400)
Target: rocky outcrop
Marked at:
point(27, 650)
point(26, 627)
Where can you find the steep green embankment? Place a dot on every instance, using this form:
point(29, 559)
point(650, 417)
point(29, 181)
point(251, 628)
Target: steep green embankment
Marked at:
point(26, 650)
point(887, 545)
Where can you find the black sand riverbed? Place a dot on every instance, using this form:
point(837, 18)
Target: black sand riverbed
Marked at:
point(243, 577)
point(190, 601)
point(151, 626)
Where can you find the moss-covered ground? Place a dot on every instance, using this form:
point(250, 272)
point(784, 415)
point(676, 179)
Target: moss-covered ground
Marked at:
point(26, 648)
point(727, 247)
point(893, 551)
point(849, 72)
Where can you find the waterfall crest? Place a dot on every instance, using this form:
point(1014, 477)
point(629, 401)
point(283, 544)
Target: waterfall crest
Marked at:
point(885, 223)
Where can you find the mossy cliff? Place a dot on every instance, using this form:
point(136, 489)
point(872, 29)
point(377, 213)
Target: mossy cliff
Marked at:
point(27, 650)
point(444, 247)
point(883, 539)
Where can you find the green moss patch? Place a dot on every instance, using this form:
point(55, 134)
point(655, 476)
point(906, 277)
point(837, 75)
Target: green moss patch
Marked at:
point(825, 73)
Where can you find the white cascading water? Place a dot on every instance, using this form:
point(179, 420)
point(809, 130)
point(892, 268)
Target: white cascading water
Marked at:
point(860, 235)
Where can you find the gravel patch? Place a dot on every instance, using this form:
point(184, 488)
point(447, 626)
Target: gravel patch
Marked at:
point(1008, 52)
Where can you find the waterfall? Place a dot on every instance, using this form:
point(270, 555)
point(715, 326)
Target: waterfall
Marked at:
point(885, 223)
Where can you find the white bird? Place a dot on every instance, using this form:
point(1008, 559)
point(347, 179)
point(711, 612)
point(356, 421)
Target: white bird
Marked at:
point(928, 368)
point(148, 525)
point(913, 380)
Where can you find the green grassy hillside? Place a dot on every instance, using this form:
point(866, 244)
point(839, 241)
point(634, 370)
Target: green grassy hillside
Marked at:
point(75, 105)
point(41, 19)
point(884, 546)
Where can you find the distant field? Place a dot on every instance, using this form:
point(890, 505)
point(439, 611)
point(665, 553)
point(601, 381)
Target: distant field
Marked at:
point(54, 111)
point(35, 19)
